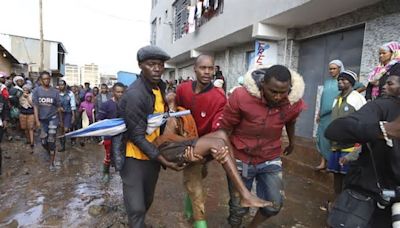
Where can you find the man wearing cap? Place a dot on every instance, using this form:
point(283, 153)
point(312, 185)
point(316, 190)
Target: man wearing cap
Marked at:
point(142, 164)
point(347, 102)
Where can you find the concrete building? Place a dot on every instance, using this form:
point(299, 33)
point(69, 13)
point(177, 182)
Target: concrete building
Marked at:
point(90, 73)
point(9, 64)
point(108, 79)
point(27, 51)
point(72, 74)
point(302, 34)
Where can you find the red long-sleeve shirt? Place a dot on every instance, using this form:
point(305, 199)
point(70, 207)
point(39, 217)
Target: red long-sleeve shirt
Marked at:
point(206, 107)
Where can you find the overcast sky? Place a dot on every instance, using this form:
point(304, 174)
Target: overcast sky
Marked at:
point(104, 32)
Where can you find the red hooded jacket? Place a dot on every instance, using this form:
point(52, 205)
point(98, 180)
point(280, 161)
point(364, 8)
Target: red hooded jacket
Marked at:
point(256, 129)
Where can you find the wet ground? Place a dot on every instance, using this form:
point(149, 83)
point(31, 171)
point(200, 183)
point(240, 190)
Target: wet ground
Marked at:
point(73, 195)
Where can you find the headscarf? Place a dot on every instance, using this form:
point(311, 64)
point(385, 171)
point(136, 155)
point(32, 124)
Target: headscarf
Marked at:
point(381, 70)
point(24, 101)
point(27, 86)
point(3, 74)
point(16, 78)
point(338, 63)
point(391, 46)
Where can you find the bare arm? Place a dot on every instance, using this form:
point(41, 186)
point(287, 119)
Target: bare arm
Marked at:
point(290, 129)
point(36, 114)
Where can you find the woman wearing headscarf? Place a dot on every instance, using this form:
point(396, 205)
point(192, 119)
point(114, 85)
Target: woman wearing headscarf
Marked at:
point(329, 94)
point(389, 64)
point(27, 117)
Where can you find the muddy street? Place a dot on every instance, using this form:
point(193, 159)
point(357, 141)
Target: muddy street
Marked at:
point(73, 195)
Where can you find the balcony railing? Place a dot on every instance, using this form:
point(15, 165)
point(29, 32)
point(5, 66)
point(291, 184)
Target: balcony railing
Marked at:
point(190, 18)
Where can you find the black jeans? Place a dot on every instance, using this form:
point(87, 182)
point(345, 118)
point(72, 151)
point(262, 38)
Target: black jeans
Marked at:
point(139, 178)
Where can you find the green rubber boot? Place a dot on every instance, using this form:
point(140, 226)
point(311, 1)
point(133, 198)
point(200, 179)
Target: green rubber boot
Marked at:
point(200, 224)
point(106, 174)
point(188, 210)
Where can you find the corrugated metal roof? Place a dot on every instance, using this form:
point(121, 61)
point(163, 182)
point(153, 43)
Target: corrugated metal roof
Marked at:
point(8, 55)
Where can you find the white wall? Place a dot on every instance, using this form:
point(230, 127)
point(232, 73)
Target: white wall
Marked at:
point(237, 15)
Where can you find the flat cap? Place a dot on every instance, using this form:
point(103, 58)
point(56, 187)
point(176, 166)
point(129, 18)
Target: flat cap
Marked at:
point(151, 52)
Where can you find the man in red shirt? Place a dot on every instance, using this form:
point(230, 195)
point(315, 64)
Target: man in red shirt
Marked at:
point(254, 116)
point(206, 104)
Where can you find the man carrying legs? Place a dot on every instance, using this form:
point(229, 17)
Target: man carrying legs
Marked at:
point(254, 116)
point(206, 104)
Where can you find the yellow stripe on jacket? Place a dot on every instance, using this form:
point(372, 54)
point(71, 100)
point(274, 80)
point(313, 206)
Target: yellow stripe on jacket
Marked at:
point(132, 151)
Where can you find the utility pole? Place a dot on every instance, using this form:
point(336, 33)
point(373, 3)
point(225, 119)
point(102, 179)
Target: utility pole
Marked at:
point(41, 66)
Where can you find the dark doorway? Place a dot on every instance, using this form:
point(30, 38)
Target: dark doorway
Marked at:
point(314, 56)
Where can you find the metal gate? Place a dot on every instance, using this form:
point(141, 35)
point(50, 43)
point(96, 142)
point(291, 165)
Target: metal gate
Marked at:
point(314, 56)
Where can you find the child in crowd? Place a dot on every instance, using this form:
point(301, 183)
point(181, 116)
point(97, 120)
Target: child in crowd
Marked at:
point(87, 108)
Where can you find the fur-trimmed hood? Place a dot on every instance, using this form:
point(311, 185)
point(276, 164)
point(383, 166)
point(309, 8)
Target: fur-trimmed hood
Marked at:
point(252, 85)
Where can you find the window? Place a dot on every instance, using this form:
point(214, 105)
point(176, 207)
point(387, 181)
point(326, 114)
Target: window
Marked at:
point(154, 3)
point(181, 18)
point(153, 37)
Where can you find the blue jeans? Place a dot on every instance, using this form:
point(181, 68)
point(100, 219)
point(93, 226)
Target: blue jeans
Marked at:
point(49, 132)
point(269, 186)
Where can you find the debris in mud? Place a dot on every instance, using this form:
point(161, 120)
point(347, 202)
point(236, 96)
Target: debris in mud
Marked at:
point(97, 210)
point(26, 171)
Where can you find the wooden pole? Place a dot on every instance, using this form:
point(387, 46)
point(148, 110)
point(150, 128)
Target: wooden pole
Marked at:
point(41, 66)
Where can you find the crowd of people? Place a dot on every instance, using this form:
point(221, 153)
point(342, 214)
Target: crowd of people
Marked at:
point(27, 107)
point(356, 141)
point(241, 129)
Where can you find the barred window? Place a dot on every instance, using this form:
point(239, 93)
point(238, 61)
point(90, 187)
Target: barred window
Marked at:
point(181, 18)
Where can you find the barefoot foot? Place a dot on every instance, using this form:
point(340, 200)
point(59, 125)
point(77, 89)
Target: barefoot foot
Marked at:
point(254, 201)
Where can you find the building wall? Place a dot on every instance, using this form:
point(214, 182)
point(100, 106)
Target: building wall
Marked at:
point(186, 71)
point(5, 65)
point(376, 35)
point(28, 51)
point(233, 62)
point(90, 73)
point(212, 30)
point(72, 76)
point(108, 79)
point(382, 24)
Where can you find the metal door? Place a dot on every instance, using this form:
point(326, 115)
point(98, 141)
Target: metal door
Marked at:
point(314, 57)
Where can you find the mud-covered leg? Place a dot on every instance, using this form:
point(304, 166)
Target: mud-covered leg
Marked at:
point(203, 147)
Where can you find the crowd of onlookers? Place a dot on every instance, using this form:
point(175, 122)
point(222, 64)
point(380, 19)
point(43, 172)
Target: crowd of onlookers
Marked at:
point(354, 131)
point(25, 108)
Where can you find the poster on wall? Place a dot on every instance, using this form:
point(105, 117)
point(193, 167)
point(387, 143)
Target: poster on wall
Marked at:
point(265, 53)
point(317, 108)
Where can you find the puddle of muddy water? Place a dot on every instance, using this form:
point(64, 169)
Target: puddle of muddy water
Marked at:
point(29, 217)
